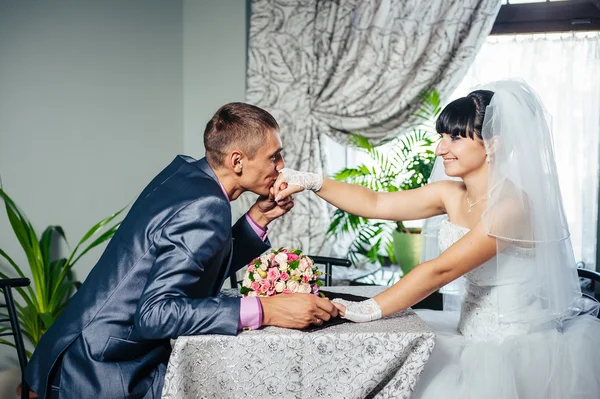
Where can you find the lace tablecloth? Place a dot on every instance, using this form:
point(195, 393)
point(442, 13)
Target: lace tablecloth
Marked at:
point(381, 359)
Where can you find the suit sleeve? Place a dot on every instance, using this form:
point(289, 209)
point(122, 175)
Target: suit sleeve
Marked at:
point(190, 247)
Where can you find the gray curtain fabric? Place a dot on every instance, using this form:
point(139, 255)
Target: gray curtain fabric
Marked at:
point(335, 67)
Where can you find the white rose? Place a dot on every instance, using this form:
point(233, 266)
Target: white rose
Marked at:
point(283, 267)
point(280, 286)
point(264, 266)
point(252, 293)
point(305, 288)
point(308, 272)
point(281, 258)
point(293, 285)
point(247, 282)
point(304, 264)
point(296, 273)
point(257, 276)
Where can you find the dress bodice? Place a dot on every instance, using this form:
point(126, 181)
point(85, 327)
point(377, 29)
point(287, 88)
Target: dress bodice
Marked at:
point(489, 290)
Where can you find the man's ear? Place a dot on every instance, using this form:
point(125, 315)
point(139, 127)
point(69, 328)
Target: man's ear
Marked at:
point(236, 161)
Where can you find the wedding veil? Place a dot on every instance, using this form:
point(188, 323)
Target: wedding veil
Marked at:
point(524, 212)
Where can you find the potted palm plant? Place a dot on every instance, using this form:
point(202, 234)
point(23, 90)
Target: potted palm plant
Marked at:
point(53, 284)
point(406, 165)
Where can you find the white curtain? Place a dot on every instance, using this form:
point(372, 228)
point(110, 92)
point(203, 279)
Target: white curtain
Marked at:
point(565, 70)
point(327, 68)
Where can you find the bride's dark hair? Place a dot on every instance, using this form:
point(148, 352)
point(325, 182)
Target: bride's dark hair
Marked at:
point(464, 116)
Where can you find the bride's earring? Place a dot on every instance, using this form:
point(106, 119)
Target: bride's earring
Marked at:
point(487, 158)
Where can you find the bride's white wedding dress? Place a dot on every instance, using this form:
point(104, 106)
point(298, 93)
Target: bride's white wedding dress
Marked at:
point(477, 357)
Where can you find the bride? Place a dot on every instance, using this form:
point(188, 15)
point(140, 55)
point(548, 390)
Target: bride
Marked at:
point(496, 242)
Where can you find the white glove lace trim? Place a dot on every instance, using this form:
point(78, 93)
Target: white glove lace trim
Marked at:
point(310, 181)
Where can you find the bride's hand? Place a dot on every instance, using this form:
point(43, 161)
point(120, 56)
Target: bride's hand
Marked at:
point(292, 181)
point(359, 312)
point(341, 308)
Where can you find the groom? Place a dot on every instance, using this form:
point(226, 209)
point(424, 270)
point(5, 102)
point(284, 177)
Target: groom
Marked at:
point(160, 274)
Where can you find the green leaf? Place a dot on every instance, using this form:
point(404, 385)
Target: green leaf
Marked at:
point(47, 319)
point(294, 264)
point(12, 263)
point(62, 294)
point(245, 290)
point(99, 225)
point(107, 235)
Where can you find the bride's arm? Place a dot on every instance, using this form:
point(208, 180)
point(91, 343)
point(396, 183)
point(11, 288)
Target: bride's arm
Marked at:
point(414, 204)
point(472, 250)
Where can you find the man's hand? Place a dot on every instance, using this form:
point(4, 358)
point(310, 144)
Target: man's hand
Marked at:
point(265, 209)
point(296, 310)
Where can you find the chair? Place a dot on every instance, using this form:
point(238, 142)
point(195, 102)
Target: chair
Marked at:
point(6, 285)
point(590, 291)
point(329, 262)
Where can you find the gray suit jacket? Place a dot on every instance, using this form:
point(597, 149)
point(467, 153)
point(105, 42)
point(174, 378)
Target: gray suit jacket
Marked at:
point(156, 280)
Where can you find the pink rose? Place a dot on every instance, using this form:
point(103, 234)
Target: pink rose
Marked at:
point(271, 256)
point(273, 274)
point(305, 278)
point(271, 291)
point(291, 257)
point(255, 286)
point(284, 276)
point(286, 291)
point(251, 268)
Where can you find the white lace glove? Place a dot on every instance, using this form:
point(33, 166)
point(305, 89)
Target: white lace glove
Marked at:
point(360, 312)
point(310, 181)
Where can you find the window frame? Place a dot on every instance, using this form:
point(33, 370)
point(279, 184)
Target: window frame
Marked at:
point(549, 16)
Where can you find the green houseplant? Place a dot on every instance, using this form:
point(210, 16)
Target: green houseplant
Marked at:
point(53, 282)
point(407, 165)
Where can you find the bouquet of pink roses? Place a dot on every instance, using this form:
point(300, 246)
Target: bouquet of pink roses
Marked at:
point(281, 271)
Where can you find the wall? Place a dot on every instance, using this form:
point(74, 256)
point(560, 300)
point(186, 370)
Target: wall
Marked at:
point(96, 97)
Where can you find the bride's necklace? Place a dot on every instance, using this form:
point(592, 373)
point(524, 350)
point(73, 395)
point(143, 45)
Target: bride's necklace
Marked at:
point(471, 205)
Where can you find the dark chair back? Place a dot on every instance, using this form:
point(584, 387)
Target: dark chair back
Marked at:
point(591, 290)
point(6, 286)
point(329, 262)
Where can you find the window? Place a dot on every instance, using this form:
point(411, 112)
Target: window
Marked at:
point(562, 67)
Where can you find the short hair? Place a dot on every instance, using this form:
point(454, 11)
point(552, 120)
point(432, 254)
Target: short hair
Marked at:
point(240, 125)
point(464, 116)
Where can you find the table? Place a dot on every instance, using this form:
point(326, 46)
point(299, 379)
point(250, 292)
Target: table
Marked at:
point(381, 359)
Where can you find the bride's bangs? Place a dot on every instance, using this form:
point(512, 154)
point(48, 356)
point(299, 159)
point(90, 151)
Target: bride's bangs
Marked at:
point(457, 118)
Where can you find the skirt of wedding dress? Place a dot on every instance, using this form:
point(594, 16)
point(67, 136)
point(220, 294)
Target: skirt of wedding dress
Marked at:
point(545, 364)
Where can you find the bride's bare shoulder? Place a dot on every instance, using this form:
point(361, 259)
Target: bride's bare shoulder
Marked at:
point(450, 187)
